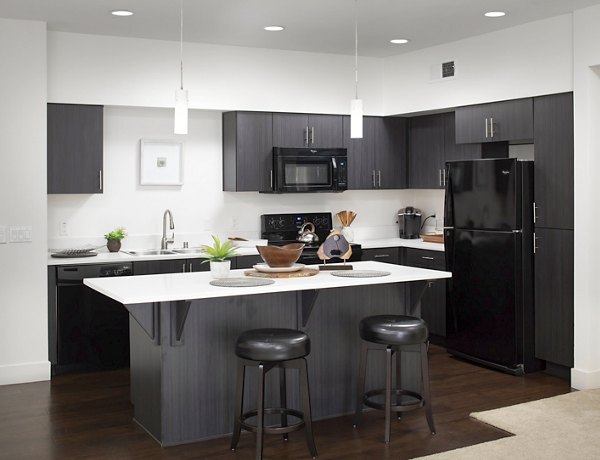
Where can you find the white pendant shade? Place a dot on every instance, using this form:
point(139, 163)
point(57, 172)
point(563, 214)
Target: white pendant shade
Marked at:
point(356, 118)
point(181, 111)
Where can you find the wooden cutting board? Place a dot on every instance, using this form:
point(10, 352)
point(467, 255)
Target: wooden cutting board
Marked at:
point(298, 274)
point(433, 237)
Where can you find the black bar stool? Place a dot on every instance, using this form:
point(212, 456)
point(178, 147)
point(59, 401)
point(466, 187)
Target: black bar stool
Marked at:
point(394, 332)
point(267, 349)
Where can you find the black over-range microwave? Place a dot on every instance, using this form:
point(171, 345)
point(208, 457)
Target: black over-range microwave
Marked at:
point(309, 170)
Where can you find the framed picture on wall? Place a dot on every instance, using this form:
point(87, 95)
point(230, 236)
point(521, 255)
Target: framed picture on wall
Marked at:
point(161, 162)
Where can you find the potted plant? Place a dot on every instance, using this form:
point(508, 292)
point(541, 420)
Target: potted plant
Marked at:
point(113, 239)
point(218, 255)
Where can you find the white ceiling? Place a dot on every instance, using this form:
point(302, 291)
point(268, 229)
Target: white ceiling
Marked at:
point(324, 26)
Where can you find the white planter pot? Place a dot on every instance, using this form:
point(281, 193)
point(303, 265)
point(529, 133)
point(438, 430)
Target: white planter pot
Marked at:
point(220, 269)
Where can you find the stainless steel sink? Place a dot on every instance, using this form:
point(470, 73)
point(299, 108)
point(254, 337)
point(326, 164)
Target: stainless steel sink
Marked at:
point(151, 252)
point(186, 250)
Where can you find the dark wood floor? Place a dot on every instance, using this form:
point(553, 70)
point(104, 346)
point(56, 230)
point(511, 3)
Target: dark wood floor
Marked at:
point(89, 416)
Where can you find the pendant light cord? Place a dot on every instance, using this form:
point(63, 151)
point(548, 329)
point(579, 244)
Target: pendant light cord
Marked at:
point(356, 48)
point(181, 41)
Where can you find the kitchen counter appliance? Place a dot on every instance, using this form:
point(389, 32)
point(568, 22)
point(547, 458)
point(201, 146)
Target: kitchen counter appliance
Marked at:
point(409, 219)
point(297, 170)
point(488, 236)
point(280, 229)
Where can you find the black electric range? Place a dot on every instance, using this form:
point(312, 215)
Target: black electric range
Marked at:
point(281, 229)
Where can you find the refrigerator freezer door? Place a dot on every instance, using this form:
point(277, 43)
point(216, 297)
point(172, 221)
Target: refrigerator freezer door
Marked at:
point(484, 195)
point(483, 300)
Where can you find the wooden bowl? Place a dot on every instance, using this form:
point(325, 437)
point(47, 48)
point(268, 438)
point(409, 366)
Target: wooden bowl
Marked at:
point(281, 256)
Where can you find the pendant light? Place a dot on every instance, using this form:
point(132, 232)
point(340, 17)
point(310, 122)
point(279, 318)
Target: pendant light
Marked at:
point(356, 104)
point(181, 95)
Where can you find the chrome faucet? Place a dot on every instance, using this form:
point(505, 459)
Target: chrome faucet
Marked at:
point(164, 242)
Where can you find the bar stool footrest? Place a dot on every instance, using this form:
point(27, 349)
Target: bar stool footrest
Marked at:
point(274, 429)
point(420, 402)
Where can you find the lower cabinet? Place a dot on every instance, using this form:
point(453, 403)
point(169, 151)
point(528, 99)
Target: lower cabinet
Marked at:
point(245, 261)
point(554, 292)
point(433, 302)
point(157, 267)
point(389, 255)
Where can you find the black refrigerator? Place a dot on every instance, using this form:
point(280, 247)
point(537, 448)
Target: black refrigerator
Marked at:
point(488, 234)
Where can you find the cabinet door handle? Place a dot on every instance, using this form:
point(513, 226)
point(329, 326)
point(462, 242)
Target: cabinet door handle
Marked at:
point(191, 270)
point(492, 128)
point(373, 178)
point(100, 179)
point(535, 248)
point(306, 136)
point(312, 135)
point(440, 177)
point(271, 179)
point(427, 258)
point(183, 268)
point(443, 177)
point(535, 208)
point(379, 179)
point(380, 256)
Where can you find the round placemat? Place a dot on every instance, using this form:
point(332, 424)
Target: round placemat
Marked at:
point(241, 282)
point(360, 273)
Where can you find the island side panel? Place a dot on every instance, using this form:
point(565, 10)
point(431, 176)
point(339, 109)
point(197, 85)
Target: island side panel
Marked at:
point(198, 377)
point(333, 362)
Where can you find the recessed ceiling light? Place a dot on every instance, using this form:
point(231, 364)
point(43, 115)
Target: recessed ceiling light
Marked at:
point(495, 14)
point(399, 41)
point(121, 13)
point(274, 28)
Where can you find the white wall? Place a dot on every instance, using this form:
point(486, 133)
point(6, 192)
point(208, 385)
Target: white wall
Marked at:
point(23, 304)
point(587, 218)
point(522, 61)
point(199, 206)
point(136, 72)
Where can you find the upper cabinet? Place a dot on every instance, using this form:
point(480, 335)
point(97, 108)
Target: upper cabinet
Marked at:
point(498, 121)
point(432, 143)
point(553, 166)
point(247, 151)
point(307, 130)
point(75, 148)
point(378, 159)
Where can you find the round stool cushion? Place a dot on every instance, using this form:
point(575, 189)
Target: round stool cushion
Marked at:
point(272, 344)
point(393, 330)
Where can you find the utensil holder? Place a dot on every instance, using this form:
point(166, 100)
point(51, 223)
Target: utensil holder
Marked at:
point(348, 234)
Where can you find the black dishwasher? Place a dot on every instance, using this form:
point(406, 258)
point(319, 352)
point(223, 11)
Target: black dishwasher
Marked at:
point(91, 330)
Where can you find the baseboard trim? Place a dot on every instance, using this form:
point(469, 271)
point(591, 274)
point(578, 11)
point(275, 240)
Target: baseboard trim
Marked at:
point(24, 372)
point(585, 380)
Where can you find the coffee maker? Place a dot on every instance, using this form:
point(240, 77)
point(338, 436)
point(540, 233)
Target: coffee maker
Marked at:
point(409, 219)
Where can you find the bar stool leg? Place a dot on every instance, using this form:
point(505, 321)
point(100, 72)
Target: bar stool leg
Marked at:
point(360, 385)
point(260, 411)
point(239, 405)
point(304, 389)
point(399, 380)
point(425, 380)
point(283, 399)
point(388, 393)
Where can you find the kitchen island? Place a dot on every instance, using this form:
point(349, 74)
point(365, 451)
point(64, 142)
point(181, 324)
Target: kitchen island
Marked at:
point(183, 330)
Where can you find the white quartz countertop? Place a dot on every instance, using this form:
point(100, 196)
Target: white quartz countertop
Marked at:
point(188, 286)
point(402, 243)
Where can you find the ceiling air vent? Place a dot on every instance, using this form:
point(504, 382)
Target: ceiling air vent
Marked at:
point(444, 71)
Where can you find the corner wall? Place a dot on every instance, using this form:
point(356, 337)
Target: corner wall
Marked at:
point(23, 275)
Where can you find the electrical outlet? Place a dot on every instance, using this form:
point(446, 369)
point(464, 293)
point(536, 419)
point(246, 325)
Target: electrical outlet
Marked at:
point(63, 230)
point(3, 234)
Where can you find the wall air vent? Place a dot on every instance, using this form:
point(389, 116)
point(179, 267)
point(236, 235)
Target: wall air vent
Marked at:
point(444, 71)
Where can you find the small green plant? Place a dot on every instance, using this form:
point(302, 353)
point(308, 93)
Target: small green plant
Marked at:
point(117, 234)
point(218, 252)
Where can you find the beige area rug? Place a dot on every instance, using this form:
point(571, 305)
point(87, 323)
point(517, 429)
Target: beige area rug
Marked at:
point(562, 427)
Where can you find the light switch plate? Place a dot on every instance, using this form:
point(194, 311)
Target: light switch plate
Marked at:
point(3, 239)
point(20, 234)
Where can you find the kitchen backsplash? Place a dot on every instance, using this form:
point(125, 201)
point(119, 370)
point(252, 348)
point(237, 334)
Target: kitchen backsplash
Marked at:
point(199, 206)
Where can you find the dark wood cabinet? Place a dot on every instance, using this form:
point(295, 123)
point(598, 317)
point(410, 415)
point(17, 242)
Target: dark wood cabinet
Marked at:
point(156, 267)
point(433, 302)
point(554, 295)
point(245, 261)
point(75, 148)
point(498, 121)
point(247, 151)
point(554, 164)
point(378, 160)
point(389, 255)
point(307, 130)
point(432, 143)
